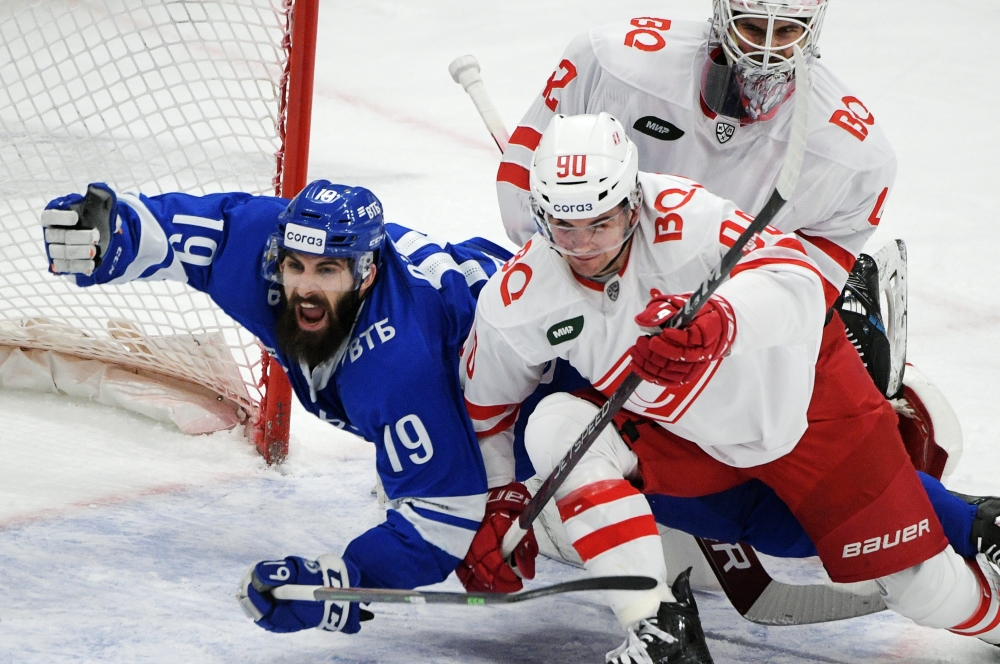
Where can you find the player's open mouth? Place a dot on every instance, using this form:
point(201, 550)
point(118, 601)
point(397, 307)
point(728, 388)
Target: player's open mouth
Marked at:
point(311, 317)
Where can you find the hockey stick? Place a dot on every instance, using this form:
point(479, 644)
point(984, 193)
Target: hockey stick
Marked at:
point(765, 600)
point(760, 599)
point(465, 71)
point(366, 595)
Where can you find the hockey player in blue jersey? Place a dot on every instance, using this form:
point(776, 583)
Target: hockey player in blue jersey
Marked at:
point(345, 302)
point(341, 307)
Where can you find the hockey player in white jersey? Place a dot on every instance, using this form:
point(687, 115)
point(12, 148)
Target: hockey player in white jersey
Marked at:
point(759, 386)
point(708, 100)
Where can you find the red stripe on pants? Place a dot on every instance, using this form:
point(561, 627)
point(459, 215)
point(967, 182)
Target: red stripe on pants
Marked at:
point(607, 538)
point(591, 495)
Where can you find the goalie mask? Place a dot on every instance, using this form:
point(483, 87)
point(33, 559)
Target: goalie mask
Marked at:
point(585, 167)
point(749, 71)
point(331, 220)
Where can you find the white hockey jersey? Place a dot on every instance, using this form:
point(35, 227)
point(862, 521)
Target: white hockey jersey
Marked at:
point(647, 73)
point(748, 408)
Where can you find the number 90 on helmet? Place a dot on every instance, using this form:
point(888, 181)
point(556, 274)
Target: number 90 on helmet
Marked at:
point(331, 220)
point(583, 167)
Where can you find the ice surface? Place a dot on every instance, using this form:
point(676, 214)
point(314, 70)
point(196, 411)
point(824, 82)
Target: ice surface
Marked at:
point(122, 540)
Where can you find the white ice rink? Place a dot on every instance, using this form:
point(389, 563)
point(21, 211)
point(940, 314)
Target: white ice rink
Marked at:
point(122, 540)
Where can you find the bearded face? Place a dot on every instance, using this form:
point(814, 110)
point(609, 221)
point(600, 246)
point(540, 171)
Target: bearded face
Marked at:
point(312, 327)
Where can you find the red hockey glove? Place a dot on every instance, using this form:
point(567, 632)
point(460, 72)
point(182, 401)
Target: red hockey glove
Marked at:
point(484, 569)
point(678, 356)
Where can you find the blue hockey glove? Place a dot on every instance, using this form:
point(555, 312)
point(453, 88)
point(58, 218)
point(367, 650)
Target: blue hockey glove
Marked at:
point(78, 230)
point(277, 615)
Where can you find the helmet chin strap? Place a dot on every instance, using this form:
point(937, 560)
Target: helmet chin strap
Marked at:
point(609, 268)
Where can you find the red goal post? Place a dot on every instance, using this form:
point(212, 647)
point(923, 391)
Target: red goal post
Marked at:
point(152, 96)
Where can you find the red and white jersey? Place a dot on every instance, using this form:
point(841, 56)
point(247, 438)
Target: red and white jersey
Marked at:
point(647, 73)
point(749, 408)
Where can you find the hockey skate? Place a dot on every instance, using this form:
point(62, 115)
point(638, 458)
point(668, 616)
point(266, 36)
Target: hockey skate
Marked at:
point(985, 533)
point(673, 636)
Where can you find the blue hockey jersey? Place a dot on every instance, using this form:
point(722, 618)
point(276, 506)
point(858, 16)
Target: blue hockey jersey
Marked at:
point(394, 381)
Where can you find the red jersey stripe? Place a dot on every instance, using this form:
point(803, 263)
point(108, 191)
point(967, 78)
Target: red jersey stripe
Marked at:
point(791, 243)
point(830, 292)
point(485, 412)
point(514, 174)
point(501, 425)
point(607, 538)
point(758, 262)
point(841, 256)
point(525, 136)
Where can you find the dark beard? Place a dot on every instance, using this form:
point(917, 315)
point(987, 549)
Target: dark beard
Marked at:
point(316, 347)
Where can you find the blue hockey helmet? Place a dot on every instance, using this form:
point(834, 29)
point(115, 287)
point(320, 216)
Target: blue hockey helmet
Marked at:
point(332, 220)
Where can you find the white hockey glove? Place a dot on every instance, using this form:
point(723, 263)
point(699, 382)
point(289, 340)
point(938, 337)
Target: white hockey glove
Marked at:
point(78, 230)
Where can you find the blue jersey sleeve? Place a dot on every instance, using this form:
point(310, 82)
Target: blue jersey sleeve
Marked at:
point(213, 243)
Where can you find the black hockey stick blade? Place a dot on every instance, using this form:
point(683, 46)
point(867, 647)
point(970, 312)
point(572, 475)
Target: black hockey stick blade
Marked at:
point(760, 599)
point(367, 595)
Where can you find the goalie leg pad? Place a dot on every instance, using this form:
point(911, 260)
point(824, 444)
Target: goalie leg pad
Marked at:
point(929, 426)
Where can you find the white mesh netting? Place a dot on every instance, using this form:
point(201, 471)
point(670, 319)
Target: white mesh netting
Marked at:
point(150, 96)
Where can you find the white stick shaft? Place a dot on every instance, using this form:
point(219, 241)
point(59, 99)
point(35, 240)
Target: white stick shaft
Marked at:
point(465, 70)
point(511, 540)
point(295, 592)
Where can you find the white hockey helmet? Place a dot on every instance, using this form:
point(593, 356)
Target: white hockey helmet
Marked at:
point(584, 166)
point(763, 74)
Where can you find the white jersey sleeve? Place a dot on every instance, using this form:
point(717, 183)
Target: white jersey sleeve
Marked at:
point(566, 91)
point(647, 74)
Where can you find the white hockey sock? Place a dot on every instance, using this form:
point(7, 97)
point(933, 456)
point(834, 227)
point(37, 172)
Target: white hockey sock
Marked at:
point(985, 622)
point(947, 592)
point(612, 528)
point(608, 521)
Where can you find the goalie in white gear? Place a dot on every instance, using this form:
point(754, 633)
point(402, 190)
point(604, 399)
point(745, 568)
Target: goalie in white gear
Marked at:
point(738, 394)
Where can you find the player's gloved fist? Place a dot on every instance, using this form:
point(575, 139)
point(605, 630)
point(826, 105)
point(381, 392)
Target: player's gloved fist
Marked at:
point(78, 230)
point(677, 356)
point(484, 569)
point(277, 615)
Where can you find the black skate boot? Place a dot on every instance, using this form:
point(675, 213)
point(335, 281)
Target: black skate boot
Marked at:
point(860, 310)
point(985, 535)
point(673, 636)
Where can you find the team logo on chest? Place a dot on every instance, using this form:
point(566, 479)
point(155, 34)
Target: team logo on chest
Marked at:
point(612, 290)
point(564, 331)
point(724, 131)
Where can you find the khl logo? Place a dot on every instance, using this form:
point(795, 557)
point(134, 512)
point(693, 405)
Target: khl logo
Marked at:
point(724, 131)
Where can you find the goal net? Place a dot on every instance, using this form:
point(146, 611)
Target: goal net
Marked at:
point(151, 96)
